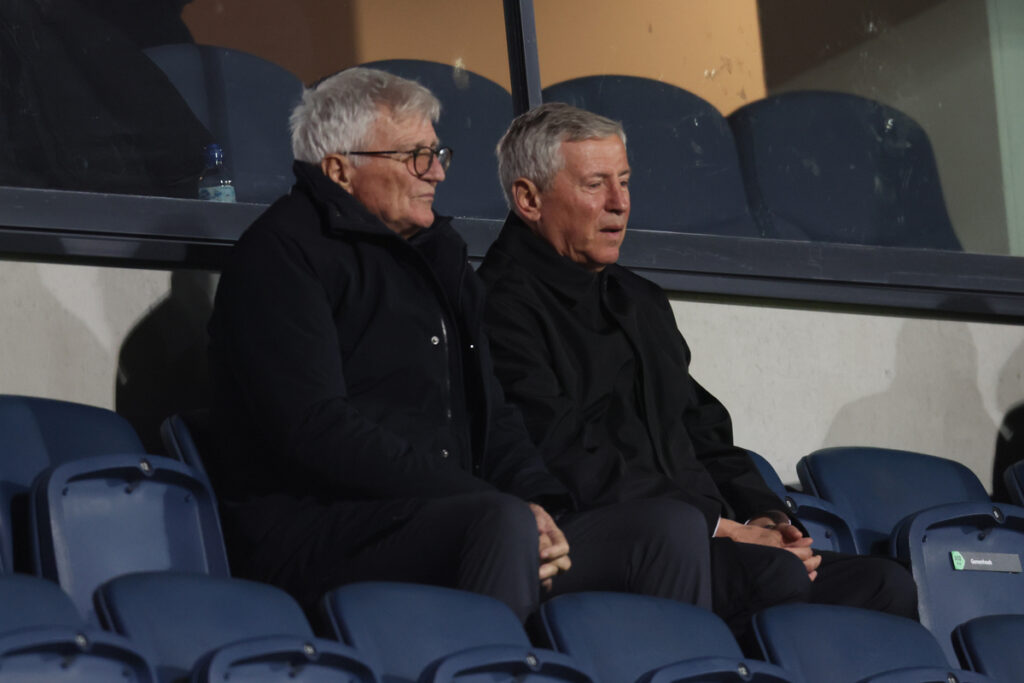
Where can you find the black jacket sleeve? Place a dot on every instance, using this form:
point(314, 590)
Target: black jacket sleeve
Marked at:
point(512, 461)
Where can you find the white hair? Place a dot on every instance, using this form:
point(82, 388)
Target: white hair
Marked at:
point(337, 114)
point(531, 147)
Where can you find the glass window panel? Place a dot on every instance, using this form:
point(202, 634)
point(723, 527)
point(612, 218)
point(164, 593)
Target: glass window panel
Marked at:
point(125, 97)
point(921, 150)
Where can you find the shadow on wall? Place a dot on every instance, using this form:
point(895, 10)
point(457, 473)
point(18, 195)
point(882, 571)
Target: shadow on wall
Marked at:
point(46, 347)
point(162, 366)
point(1010, 437)
point(933, 404)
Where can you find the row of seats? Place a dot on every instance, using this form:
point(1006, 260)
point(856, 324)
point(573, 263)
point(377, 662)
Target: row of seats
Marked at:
point(931, 513)
point(820, 166)
point(170, 626)
point(79, 513)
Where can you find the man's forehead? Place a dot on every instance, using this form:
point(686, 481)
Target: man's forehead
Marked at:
point(409, 130)
point(596, 155)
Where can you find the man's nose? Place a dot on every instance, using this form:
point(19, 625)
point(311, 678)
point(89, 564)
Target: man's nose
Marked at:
point(618, 199)
point(435, 172)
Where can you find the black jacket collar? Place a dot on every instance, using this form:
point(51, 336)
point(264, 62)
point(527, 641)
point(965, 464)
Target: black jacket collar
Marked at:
point(534, 253)
point(342, 211)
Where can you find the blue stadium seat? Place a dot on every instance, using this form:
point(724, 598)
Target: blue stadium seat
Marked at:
point(244, 101)
point(876, 488)
point(934, 515)
point(43, 638)
point(967, 562)
point(181, 434)
point(223, 629)
point(992, 645)
point(819, 518)
point(36, 433)
point(686, 171)
point(101, 517)
point(32, 602)
point(475, 111)
point(624, 638)
point(838, 644)
point(834, 167)
point(428, 633)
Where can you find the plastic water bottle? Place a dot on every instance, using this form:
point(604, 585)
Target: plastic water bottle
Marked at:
point(214, 184)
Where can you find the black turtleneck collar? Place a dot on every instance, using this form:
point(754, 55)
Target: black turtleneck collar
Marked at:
point(536, 254)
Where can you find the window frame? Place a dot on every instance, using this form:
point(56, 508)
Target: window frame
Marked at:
point(168, 233)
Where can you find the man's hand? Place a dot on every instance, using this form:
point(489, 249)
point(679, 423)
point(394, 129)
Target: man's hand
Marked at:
point(764, 531)
point(554, 549)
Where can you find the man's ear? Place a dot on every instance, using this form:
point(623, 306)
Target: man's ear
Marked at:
point(526, 200)
point(339, 169)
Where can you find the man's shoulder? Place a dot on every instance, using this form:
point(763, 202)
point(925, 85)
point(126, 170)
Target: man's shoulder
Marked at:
point(500, 270)
point(287, 218)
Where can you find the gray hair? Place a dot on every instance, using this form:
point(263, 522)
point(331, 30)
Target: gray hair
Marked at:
point(337, 114)
point(531, 147)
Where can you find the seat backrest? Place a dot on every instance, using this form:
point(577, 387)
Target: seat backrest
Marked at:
point(280, 658)
point(685, 169)
point(44, 638)
point(405, 627)
point(841, 168)
point(245, 102)
point(622, 636)
point(876, 488)
point(36, 433)
point(32, 602)
point(967, 560)
point(845, 644)
point(101, 517)
point(182, 434)
point(768, 473)
point(992, 645)
point(70, 655)
point(180, 617)
point(475, 111)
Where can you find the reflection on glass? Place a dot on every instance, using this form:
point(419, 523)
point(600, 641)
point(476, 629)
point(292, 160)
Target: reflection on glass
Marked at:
point(84, 109)
point(922, 161)
point(124, 97)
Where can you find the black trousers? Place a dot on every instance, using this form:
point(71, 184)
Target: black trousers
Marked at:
point(488, 543)
point(748, 578)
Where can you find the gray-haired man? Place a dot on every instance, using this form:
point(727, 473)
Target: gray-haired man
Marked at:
point(591, 355)
point(363, 434)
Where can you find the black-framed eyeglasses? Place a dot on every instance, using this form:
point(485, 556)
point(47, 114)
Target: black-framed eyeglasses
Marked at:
point(421, 158)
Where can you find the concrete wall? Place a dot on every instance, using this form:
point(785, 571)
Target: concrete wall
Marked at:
point(795, 380)
point(798, 380)
point(61, 327)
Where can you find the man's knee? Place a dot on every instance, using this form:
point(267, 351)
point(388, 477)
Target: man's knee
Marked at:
point(502, 520)
point(895, 591)
point(674, 523)
point(785, 577)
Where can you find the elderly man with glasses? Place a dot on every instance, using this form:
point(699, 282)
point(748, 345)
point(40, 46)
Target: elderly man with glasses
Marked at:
point(362, 434)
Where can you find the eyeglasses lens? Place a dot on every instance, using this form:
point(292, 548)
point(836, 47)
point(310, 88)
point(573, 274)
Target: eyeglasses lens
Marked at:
point(423, 157)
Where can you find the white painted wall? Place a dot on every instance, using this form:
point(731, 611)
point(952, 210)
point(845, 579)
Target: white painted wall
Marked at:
point(61, 326)
point(794, 380)
point(797, 380)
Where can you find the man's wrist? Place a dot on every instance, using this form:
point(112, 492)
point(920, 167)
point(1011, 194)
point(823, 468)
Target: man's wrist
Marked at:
point(778, 517)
